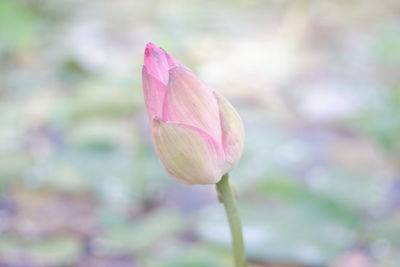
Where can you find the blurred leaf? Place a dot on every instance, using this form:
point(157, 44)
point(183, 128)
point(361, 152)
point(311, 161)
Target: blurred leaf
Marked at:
point(142, 234)
point(101, 100)
point(17, 26)
point(332, 202)
point(55, 251)
point(388, 45)
point(387, 229)
point(380, 118)
point(193, 255)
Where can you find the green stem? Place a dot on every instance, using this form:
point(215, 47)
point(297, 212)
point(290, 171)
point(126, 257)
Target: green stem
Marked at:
point(226, 196)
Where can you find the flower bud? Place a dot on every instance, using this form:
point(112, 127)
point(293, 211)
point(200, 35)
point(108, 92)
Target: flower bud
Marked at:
point(196, 132)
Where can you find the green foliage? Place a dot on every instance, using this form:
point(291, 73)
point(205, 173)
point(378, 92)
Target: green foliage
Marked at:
point(58, 250)
point(18, 26)
point(380, 119)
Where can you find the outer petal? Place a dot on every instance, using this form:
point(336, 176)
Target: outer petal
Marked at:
point(171, 60)
point(188, 100)
point(187, 153)
point(232, 132)
point(158, 62)
point(154, 92)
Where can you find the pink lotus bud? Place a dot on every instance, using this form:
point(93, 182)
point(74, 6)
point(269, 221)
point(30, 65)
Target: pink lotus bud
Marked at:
point(196, 132)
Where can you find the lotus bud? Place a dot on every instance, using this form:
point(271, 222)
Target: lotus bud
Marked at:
point(196, 132)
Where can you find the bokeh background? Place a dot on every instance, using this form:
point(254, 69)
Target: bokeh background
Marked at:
point(316, 82)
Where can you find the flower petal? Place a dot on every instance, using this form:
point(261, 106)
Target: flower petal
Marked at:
point(154, 92)
point(190, 101)
point(188, 154)
point(232, 132)
point(171, 60)
point(158, 62)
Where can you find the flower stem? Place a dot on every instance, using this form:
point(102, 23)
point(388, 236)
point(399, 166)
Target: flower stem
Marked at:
point(226, 196)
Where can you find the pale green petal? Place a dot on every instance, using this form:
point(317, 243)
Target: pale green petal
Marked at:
point(232, 132)
point(188, 154)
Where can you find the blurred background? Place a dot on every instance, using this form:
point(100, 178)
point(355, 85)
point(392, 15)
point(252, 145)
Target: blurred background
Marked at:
point(316, 82)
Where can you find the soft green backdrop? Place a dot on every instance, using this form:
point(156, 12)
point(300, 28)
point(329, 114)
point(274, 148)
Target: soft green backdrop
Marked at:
point(316, 82)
